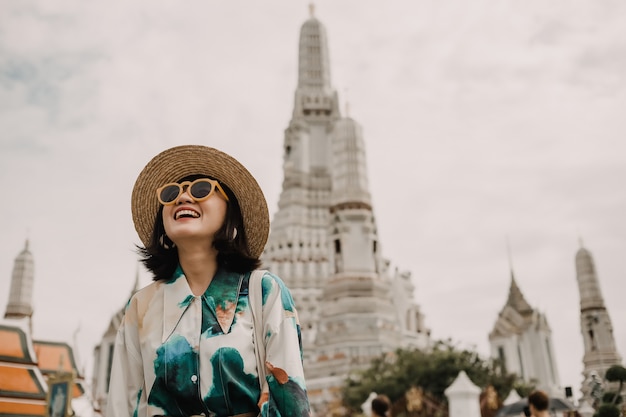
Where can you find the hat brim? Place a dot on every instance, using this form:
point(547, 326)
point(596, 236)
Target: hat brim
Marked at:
point(178, 162)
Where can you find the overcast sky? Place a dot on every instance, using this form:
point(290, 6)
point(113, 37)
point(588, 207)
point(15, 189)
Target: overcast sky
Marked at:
point(485, 122)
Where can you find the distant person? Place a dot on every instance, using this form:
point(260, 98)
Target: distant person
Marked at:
point(381, 406)
point(489, 402)
point(538, 402)
point(186, 345)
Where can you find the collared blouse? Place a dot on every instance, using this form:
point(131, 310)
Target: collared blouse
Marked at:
point(178, 355)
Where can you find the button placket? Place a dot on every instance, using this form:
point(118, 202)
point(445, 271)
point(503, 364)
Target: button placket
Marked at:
point(195, 378)
point(197, 301)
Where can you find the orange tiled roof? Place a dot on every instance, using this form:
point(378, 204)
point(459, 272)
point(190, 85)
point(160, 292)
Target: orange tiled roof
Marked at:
point(22, 385)
point(55, 356)
point(13, 408)
point(18, 382)
point(14, 346)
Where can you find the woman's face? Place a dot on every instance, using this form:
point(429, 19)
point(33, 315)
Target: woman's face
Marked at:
point(187, 221)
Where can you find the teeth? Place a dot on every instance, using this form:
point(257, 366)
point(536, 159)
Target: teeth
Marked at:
point(186, 213)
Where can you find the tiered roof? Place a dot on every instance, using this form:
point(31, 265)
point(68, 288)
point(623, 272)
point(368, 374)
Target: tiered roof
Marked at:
point(59, 357)
point(22, 384)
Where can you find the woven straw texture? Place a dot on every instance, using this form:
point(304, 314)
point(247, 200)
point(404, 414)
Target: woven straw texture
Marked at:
point(175, 163)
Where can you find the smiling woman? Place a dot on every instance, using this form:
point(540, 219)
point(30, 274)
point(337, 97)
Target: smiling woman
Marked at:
point(186, 344)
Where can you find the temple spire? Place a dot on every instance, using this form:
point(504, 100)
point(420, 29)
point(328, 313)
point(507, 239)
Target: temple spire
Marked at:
point(516, 298)
point(508, 253)
point(522, 339)
point(20, 303)
point(595, 323)
point(324, 240)
point(314, 61)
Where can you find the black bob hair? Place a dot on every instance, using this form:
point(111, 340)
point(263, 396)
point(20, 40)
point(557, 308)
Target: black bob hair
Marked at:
point(161, 257)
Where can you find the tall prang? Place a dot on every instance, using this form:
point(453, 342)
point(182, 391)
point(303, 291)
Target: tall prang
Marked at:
point(595, 324)
point(324, 240)
point(298, 247)
point(20, 303)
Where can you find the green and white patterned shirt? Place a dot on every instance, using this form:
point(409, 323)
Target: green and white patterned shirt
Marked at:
point(178, 355)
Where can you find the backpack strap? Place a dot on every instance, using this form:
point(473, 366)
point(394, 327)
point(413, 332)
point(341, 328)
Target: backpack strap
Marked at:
point(255, 298)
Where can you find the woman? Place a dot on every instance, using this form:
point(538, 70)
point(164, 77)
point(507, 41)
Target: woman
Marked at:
point(185, 346)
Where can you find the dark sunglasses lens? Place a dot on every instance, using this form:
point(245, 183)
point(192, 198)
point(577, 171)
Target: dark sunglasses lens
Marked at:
point(170, 193)
point(201, 189)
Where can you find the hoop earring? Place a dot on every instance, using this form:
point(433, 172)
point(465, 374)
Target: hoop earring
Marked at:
point(165, 242)
point(232, 238)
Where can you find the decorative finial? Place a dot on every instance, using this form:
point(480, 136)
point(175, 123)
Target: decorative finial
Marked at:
point(508, 252)
point(75, 341)
point(311, 9)
point(346, 90)
point(60, 370)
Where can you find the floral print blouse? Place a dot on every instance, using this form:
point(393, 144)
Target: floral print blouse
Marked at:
point(177, 354)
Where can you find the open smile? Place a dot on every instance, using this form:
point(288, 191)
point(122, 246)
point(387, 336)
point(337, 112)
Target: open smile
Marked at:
point(186, 213)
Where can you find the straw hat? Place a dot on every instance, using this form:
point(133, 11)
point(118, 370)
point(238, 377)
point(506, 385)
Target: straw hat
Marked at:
point(178, 162)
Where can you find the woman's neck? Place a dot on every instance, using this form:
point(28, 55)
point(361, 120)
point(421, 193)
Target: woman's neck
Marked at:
point(199, 265)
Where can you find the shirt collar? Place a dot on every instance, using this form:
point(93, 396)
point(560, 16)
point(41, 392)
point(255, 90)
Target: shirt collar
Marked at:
point(222, 296)
point(220, 299)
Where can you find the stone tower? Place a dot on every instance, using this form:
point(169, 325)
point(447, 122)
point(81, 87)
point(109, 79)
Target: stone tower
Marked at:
point(298, 249)
point(20, 304)
point(324, 239)
point(595, 323)
point(522, 339)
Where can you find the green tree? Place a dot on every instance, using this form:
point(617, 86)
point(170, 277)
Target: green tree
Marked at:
point(524, 388)
point(433, 371)
point(608, 397)
point(608, 410)
point(616, 373)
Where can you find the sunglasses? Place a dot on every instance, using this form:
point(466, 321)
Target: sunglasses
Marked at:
point(198, 190)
